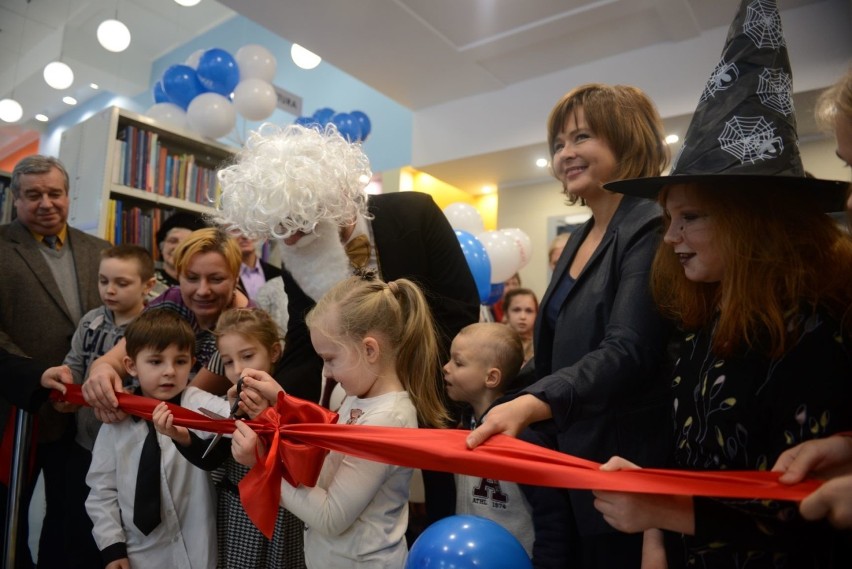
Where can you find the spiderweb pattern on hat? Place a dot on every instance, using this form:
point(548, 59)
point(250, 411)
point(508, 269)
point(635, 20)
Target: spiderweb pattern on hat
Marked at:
point(289, 179)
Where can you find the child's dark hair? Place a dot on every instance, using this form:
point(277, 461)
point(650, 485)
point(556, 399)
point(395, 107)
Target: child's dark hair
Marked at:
point(253, 323)
point(398, 311)
point(140, 254)
point(507, 300)
point(158, 329)
point(500, 347)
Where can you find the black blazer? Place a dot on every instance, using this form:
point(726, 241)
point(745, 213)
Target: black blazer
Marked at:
point(414, 240)
point(602, 369)
point(20, 381)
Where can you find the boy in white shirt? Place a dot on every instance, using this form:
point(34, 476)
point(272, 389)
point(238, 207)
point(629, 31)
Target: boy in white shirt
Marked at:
point(150, 507)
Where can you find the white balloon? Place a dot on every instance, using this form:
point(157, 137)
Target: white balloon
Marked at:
point(211, 115)
point(193, 59)
point(168, 113)
point(504, 255)
point(464, 217)
point(256, 62)
point(522, 242)
point(255, 99)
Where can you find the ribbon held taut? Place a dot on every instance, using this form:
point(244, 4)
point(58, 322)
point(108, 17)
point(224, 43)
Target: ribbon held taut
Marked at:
point(299, 434)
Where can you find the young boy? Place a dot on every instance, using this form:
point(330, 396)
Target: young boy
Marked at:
point(484, 360)
point(150, 507)
point(125, 277)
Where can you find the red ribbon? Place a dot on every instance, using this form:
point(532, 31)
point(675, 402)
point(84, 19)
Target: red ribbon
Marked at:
point(295, 426)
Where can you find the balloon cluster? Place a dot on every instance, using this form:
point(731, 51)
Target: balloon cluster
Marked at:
point(207, 91)
point(493, 256)
point(353, 126)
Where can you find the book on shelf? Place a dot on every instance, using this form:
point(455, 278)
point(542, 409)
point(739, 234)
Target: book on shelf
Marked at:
point(143, 161)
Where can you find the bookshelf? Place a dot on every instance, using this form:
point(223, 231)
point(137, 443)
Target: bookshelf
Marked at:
point(128, 173)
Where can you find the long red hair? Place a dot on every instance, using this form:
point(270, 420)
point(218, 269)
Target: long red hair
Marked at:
point(782, 257)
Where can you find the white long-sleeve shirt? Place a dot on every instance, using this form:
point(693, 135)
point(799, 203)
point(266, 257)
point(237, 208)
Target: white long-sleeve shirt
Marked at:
point(186, 536)
point(357, 514)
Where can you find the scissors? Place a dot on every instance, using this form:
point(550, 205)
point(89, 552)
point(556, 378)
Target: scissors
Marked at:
point(214, 415)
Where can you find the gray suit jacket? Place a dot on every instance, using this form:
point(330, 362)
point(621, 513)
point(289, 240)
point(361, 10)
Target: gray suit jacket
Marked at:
point(34, 319)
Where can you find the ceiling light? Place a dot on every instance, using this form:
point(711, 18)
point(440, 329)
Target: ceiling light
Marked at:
point(113, 35)
point(94, 86)
point(41, 118)
point(187, 3)
point(672, 138)
point(58, 75)
point(10, 110)
point(304, 58)
point(541, 162)
point(487, 189)
point(69, 100)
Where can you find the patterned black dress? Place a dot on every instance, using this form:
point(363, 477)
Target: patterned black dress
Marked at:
point(741, 413)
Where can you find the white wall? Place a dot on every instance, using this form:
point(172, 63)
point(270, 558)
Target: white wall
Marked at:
point(529, 207)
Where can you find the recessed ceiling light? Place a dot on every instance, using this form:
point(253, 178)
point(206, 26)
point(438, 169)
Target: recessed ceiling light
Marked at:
point(304, 58)
point(188, 3)
point(541, 162)
point(672, 138)
point(94, 86)
point(487, 189)
point(69, 100)
point(41, 118)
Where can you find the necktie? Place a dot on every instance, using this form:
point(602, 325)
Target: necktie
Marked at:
point(51, 241)
point(358, 251)
point(146, 500)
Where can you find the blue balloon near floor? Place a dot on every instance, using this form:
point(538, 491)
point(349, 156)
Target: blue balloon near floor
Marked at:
point(467, 542)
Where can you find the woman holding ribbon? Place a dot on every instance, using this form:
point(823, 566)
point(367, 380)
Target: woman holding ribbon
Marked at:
point(759, 277)
point(600, 343)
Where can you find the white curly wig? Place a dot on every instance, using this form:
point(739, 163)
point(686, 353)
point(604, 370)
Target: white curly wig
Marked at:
point(289, 179)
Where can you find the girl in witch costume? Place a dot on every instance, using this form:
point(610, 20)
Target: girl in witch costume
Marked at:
point(758, 276)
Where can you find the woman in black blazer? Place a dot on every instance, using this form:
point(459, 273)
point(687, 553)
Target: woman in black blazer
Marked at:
point(600, 342)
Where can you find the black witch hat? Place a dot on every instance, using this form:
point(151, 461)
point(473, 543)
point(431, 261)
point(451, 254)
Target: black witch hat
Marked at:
point(745, 125)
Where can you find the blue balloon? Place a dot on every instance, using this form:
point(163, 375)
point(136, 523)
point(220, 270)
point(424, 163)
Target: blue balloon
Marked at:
point(467, 542)
point(323, 115)
point(478, 261)
point(307, 122)
point(181, 85)
point(364, 122)
point(495, 294)
point(218, 71)
point(347, 126)
point(160, 93)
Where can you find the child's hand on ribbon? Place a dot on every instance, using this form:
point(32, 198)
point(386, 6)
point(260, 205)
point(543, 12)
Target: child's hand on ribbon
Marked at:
point(246, 446)
point(259, 391)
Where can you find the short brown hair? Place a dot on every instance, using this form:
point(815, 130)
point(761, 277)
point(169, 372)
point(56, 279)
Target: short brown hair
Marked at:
point(157, 329)
point(127, 251)
point(501, 347)
point(625, 118)
point(36, 164)
point(206, 240)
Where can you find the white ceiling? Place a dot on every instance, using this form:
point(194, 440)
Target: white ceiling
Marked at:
point(447, 60)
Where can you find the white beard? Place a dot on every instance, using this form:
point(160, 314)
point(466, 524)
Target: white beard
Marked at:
point(317, 261)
